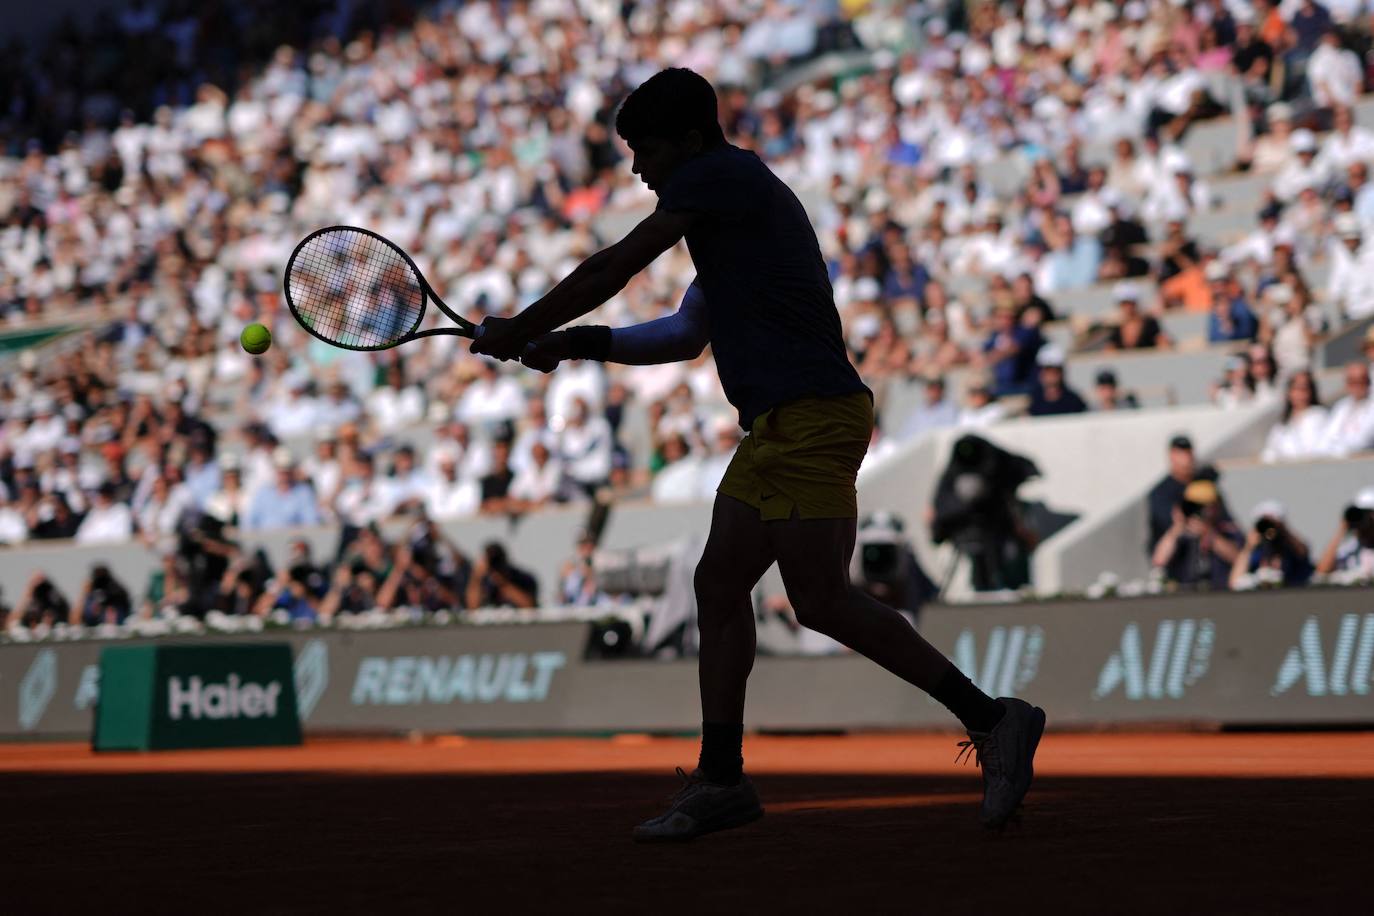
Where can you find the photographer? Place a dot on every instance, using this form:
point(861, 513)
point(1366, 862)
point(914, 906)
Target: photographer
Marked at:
point(41, 603)
point(1201, 544)
point(103, 600)
point(497, 583)
point(1351, 550)
point(1272, 552)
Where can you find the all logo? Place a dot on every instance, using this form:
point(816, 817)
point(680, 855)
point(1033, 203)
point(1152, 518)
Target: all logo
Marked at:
point(1010, 659)
point(37, 688)
point(1342, 671)
point(1177, 658)
point(312, 675)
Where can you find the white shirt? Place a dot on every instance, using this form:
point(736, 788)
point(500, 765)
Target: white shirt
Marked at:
point(491, 401)
point(1349, 427)
point(1334, 76)
point(13, 530)
point(585, 379)
point(392, 409)
point(586, 450)
point(1339, 150)
point(1301, 437)
point(679, 482)
point(1351, 286)
point(449, 499)
point(363, 502)
point(538, 484)
point(107, 525)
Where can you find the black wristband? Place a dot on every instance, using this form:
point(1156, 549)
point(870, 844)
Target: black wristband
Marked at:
point(591, 341)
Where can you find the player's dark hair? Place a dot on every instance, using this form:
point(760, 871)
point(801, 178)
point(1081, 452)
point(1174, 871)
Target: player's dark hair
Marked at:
point(669, 104)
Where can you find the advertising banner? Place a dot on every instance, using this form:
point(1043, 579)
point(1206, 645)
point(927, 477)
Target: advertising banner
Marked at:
point(208, 695)
point(1293, 658)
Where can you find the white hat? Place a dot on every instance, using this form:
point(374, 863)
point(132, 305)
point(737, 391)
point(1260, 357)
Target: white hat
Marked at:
point(1050, 355)
point(1215, 270)
point(1279, 293)
point(229, 462)
point(866, 288)
point(1365, 498)
point(1279, 111)
point(281, 458)
point(1303, 141)
point(1269, 508)
point(1126, 292)
point(1347, 226)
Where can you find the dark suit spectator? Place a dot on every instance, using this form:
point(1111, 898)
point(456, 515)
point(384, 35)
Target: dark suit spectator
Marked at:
point(1052, 396)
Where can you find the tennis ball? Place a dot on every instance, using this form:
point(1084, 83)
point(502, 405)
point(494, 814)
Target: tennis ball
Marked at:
point(256, 339)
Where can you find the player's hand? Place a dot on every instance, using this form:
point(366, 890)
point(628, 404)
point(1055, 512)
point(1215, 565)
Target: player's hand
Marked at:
point(546, 352)
point(501, 338)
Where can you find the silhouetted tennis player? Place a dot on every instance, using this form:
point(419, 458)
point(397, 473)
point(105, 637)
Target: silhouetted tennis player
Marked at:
point(762, 299)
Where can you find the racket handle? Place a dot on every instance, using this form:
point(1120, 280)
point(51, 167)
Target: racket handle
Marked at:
point(478, 331)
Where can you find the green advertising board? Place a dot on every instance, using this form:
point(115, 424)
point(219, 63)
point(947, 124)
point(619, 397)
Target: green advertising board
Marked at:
point(196, 696)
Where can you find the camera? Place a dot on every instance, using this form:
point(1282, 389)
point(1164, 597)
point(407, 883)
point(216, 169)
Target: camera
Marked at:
point(1190, 509)
point(1355, 516)
point(1267, 528)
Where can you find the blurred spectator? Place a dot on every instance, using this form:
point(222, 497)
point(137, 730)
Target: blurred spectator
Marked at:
point(107, 521)
point(1180, 278)
point(103, 599)
point(1164, 496)
point(1351, 285)
point(1009, 352)
point(540, 482)
point(1301, 430)
point(679, 479)
point(230, 502)
point(1200, 546)
point(936, 411)
point(577, 585)
point(363, 499)
point(1303, 171)
point(1134, 330)
point(1272, 550)
point(1109, 395)
point(288, 503)
point(291, 594)
point(1350, 551)
point(496, 484)
point(1290, 327)
point(1231, 318)
point(585, 445)
point(1350, 422)
point(496, 582)
point(725, 439)
point(981, 407)
point(1334, 75)
point(1052, 396)
point(449, 497)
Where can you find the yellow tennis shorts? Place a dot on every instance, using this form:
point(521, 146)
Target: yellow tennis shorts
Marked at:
point(803, 457)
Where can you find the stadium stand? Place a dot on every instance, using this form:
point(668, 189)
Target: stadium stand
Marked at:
point(946, 153)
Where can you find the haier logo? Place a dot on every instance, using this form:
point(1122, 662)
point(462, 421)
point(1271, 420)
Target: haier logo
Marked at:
point(515, 677)
point(1180, 656)
point(1344, 671)
point(230, 700)
point(1010, 660)
point(36, 689)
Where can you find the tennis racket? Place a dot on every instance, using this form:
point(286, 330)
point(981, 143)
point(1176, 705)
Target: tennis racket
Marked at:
point(354, 289)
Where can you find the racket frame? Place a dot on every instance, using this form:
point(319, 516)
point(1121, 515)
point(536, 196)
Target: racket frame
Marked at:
point(464, 327)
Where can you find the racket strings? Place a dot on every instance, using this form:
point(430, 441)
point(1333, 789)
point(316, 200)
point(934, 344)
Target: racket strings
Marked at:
point(354, 289)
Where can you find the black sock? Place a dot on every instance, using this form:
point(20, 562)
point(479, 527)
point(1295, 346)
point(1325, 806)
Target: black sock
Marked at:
point(975, 709)
point(722, 757)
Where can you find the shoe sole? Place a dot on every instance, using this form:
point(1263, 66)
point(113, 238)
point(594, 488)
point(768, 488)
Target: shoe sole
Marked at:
point(726, 821)
point(1033, 734)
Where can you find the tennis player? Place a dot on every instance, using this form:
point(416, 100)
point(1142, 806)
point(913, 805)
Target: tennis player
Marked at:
point(762, 299)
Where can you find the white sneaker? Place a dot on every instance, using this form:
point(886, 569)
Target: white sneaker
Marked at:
point(702, 807)
point(1007, 756)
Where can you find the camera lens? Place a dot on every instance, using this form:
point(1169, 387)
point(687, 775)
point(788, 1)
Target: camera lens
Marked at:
point(1354, 516)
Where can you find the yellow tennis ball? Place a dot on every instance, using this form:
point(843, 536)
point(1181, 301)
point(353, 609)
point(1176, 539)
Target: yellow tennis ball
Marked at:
point(256, 338)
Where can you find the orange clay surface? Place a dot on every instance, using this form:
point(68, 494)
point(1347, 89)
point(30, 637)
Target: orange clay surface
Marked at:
point(1120, 823)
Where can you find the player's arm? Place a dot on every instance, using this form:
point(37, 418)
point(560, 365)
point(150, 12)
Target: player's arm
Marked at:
point(677, 337)
point(595, 280)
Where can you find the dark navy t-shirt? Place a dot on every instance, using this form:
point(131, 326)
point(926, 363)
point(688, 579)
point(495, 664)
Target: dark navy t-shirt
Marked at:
point(775, 332)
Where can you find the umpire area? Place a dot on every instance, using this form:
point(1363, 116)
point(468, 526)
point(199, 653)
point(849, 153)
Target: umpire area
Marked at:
point(1155, 822)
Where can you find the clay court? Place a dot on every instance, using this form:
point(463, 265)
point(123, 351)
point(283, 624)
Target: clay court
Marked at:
point(1148, 823)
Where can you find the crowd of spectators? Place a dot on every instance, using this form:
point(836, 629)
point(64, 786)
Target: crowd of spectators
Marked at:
point(161, 166)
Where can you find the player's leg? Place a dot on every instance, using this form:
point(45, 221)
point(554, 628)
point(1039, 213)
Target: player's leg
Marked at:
point(813, 557)
point(737, 553)
point(718, 795)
